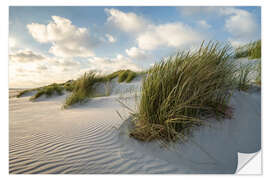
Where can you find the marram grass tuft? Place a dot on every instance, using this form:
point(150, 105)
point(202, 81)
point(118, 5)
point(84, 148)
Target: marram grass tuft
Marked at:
point(181, 92)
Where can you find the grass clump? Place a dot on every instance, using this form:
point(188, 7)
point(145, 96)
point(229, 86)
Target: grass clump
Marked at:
point(122, 76)
point(251, 50)
point(179, 93)
point(48, 91)
point(126, 75)
point(113, 75)
point(243, 77)
point(258, 78)
point(131, 76)
point(69, 86)
point(83, 88)
point(23, 92)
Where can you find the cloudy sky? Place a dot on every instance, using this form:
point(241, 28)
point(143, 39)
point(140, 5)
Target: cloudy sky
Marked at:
point(55, 44)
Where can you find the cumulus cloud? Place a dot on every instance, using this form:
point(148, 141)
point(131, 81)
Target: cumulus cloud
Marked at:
point(241, 24)
point(110, 38)
point(25, 56)
point(136, 53)
point(30, 69)
point(203, 24)
point(171, 35)
point(150, 36)
point(67, 40)
point(64, 62)
point(128, 22)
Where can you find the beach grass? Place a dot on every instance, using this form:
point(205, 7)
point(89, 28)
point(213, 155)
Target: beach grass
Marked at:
point(83, 88)
point(131, 75)
point(68, 86)
point(21, 93)
point(123, 75)
point(258, 77)
point(48, 91)
point(179, 93)
point(126, 76)
point(113, 75)
point(251, 50)
point(243, 80)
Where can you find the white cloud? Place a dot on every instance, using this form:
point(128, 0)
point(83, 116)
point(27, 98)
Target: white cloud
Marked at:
point(105, 65)
point(171, 35)
point(128, 22)
point(136, 53)
point(67, 40)
point(25, 56)
point(64, 62)
point(32, 69)
point(237, 42)
point(241, 24)
point(150, 36)
point(110, 38)
point(203, 24)
point(12, 42)
point(42, 67)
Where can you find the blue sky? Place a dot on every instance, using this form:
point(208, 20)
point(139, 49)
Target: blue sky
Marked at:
point(48, 44)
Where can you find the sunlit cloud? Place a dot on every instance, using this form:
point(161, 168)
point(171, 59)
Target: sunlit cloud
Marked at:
point(67, 40)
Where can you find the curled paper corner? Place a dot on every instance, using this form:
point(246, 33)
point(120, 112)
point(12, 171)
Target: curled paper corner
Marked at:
point(249, 163)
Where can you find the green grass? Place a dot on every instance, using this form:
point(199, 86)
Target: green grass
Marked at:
point(258, 78)
point(251, 50)
point(113, 75)
point(23, 92)
point(178, 94)
point(48, 91)
point(123, 75)
point(243, 80)
point(83, 88)
point(131, 75)
point(69, 85)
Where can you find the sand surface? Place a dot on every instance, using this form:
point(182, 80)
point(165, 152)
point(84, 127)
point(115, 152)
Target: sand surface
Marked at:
point(92, 138)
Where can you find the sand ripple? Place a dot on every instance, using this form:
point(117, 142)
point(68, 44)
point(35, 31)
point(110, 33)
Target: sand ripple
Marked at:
point(46, 139)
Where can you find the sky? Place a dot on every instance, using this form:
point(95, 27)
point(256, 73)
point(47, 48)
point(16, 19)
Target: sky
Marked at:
point(56, 44)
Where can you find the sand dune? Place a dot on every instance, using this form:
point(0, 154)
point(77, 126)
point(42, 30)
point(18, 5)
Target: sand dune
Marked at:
point(92, 139)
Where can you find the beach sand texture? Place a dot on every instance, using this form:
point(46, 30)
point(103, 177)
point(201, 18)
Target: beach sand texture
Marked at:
point(92, 138)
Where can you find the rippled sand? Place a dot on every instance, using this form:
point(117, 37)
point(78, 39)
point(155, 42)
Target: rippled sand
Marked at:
point(91, 138)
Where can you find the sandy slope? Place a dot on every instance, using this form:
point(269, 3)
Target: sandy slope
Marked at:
point(91, 138)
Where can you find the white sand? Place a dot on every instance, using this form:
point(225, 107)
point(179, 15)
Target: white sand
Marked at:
point(91, 138)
